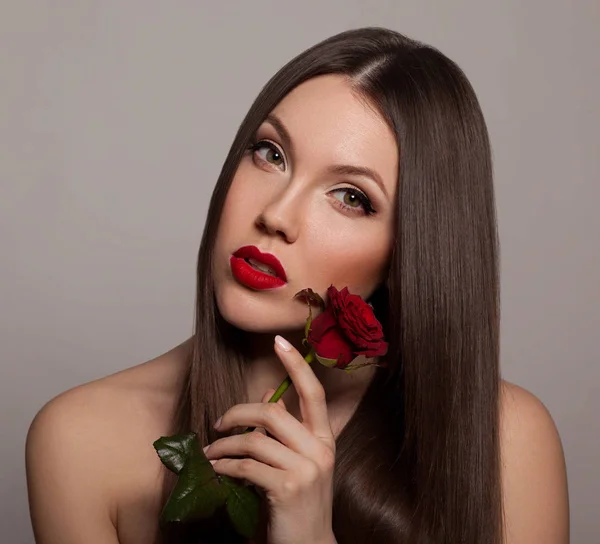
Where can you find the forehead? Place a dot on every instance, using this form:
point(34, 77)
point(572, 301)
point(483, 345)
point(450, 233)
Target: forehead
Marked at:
point(330, 123)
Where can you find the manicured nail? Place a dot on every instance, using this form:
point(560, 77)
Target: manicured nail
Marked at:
point(205, 448)
point(283, 343)
point(216, 425)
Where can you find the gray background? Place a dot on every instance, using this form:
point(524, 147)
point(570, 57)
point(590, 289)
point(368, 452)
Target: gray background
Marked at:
point(115, 117)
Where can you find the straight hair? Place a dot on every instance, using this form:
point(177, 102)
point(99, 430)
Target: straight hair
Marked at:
point(428, 465)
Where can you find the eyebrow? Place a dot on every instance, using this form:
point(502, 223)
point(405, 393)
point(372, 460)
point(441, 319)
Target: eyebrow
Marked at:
point(339, 169)
point(349, 170)
point(279, 127)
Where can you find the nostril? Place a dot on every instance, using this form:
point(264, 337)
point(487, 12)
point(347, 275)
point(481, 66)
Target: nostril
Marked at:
point(274, 225)
point(261, 225)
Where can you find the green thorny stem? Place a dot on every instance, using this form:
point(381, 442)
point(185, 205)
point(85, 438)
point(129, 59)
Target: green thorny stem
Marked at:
point(283, 387)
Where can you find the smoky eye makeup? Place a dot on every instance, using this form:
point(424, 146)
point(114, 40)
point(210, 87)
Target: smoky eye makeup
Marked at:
point(351, 197)
point(267, 154)
point(264, 148)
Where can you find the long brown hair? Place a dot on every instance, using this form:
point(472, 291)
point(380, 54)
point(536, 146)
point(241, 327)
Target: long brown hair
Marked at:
point(427, 469)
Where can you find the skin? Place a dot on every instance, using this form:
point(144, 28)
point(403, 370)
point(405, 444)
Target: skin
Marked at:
point(118, 501)
point(107, 489)
point(293, 206)
point(295, 466)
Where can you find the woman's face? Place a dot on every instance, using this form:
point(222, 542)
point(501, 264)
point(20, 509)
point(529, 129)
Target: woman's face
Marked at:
point(317, 191)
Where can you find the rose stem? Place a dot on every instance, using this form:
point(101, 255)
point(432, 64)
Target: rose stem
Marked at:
point(284, 386)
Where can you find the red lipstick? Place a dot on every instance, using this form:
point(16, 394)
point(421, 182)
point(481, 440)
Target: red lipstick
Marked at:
point(257, 270)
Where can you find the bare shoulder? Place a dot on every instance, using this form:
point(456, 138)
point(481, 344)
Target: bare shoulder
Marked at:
point(89, 453)
point(533, 471)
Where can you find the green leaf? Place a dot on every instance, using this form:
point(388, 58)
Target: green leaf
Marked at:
point(191, 499)
point(307, 326)
point(198, 492)
point(174, 450)
point(243, 506)
point(329, 363)
point(311, 297)
point(359, 362)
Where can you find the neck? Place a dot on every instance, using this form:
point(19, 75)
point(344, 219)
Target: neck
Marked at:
point(265, 370)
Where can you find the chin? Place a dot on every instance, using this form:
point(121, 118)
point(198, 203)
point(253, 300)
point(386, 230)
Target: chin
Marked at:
point(259, 312)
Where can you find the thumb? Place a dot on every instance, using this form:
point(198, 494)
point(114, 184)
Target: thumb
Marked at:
point(268, 394)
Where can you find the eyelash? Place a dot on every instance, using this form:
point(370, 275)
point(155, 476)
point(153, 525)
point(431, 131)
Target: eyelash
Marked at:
point(255, 146)
point(367, 207)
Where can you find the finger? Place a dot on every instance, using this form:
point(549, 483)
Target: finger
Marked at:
point(313, 406)
point(256, 445)
point(277, 421)
point(269, 394)
point(255, 472)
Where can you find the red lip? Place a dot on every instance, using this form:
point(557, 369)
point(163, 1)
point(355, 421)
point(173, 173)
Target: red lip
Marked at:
point(252, 277)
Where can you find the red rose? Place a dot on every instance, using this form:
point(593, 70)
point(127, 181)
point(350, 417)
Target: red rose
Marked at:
point(346, 329)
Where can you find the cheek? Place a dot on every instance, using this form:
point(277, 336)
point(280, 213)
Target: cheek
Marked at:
point(240, 209)
point(233, 211)
point(356, 258)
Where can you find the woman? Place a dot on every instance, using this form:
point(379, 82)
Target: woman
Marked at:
point(363, 163)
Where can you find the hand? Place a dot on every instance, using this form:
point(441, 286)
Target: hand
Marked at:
point(295, 466)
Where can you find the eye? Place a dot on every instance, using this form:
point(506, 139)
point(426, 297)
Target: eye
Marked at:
point(353, 200)
point(268, 152)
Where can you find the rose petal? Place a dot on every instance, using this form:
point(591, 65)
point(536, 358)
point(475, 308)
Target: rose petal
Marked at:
point(333, 345)
point(320, 325)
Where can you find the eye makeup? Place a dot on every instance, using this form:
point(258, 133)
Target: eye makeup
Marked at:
point(266, 152)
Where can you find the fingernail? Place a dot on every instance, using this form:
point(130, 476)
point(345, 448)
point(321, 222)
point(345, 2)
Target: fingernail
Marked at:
point(205, 448)
point(212, 461)
point(216, 425)
point(283, 343)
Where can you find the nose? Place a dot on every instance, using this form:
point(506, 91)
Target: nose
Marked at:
point(280, 217)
